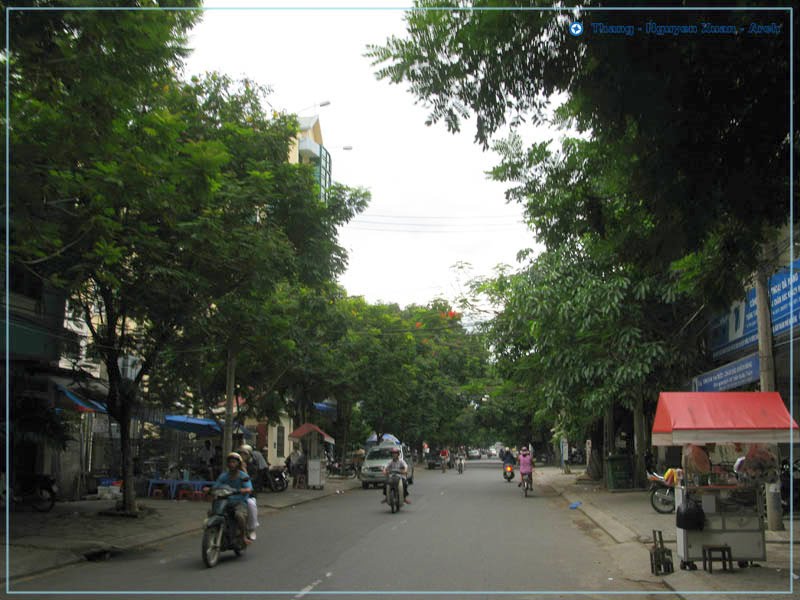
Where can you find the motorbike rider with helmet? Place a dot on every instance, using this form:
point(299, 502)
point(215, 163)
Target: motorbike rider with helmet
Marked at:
point(508, 457)
point(525, 461)
point(255, 463)
point(238, 479)
point(461, 457)
point(397, 464)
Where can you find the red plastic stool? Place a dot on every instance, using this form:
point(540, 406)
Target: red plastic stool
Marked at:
point(157, 493)
point(198, 495)
point(185, 494)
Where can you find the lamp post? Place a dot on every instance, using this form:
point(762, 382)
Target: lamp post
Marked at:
point(316, 105)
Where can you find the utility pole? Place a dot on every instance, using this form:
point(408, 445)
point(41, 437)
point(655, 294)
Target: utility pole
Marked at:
point(767, 375)
point(227, 438)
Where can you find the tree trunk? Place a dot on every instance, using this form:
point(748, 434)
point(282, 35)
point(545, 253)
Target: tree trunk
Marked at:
point(343, 415)
point(608, 438)
point(227, 441)
point(128, 490)
point(639, 475)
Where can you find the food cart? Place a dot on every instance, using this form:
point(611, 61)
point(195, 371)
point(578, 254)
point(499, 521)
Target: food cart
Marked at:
point(726, 510)
point(312, 438)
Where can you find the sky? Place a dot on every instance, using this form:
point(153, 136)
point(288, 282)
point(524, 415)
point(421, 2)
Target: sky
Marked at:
point(432, 204)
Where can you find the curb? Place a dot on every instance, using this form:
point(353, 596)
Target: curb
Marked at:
point(618, 532)
point(105, 551)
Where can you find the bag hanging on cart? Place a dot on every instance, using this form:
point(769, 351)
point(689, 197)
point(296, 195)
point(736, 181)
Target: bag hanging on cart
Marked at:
point(690, 516)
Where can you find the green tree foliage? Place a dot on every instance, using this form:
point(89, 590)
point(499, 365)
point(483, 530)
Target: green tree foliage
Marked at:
point(648, 217)
point(96, 166)
point(702, 119)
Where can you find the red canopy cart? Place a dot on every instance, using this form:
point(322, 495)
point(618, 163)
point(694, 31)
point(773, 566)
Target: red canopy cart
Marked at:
point(314, 452)
point(732, 510)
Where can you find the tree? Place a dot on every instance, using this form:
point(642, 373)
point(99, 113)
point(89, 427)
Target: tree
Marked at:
point(654, 221)
point(706, 128)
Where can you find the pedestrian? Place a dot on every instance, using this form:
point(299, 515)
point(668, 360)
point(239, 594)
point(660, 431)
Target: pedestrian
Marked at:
point(216, 463)
point(206, 455)
point(296, 462)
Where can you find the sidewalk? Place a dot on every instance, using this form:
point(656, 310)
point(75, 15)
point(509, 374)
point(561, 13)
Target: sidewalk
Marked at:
point(75, 531)
point(628, 519)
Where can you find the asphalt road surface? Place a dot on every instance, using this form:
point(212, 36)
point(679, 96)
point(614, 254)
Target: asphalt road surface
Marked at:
point(472, 534)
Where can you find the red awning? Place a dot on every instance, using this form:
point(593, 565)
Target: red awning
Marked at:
point(722, 417)
point(307, 428)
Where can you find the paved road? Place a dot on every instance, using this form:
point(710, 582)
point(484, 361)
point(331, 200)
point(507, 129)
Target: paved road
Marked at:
point(471, 533)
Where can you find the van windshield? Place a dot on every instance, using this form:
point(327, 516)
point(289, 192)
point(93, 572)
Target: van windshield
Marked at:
point(380, 454)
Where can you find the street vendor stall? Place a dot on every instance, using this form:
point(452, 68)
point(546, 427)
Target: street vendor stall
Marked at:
point(719, 509)
point(313, 438)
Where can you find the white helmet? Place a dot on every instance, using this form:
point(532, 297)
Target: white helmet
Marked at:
point(246, 448)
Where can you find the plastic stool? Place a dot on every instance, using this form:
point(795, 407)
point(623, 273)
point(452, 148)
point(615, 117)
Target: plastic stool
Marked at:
point(157, 493)
point(198, 495)
point(724, 557)
point(185, 494)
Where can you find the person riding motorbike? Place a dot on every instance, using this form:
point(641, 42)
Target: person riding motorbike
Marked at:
point(397, 464)
point(238, 479)
point(252, 467)
point(508, 457)
point(525, 461)
point(461, 457)
point(444, 455)
point(255, 462)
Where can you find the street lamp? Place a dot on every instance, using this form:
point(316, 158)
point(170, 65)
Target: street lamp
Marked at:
point(315, 105)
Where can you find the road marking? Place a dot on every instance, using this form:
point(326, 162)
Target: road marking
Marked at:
point(308, 588)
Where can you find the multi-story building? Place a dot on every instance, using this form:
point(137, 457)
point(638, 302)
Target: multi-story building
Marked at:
point(308, 148)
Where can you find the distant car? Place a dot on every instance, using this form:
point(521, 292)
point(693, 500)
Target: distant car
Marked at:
point(473, 454)
point(492, 452)
point(434, 460)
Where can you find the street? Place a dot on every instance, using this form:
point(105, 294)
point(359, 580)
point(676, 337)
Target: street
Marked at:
point(469, 533)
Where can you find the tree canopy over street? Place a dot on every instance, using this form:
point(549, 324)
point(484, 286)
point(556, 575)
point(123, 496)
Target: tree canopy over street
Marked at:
point(645, 205)
point(165, 208)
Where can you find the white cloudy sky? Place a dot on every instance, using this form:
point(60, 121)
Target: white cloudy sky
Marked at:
point(432, 205)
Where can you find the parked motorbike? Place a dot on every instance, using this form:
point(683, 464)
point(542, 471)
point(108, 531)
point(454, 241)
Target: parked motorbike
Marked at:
point(394, 491)
point(786, 475)
point(220, 530)
point(508, 472)
point(275, 479)
point(662, 495)
point(347, 470)
point(37, 490)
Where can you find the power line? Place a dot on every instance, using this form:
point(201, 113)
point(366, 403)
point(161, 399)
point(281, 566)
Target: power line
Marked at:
point(445, 217)
point(483, 229)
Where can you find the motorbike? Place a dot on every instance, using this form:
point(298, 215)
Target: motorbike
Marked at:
point(275, 479)
point(460, 463)
point(527, 483)
point(37, 490)
point(786, 475)
point(508, 472)
point(394, 491)
point(347, 470)
point(444, 464)
point(662, 495)
point(220, 530)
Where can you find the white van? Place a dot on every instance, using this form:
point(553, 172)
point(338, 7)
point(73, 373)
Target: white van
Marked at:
point(377, 458)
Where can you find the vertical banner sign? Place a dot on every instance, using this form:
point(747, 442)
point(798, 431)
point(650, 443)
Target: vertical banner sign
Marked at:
point(738, 330)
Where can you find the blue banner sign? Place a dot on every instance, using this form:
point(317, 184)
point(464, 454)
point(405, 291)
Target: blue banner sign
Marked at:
point(728, 377)
point(738, 330)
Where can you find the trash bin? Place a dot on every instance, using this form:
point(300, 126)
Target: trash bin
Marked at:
point(619, 472)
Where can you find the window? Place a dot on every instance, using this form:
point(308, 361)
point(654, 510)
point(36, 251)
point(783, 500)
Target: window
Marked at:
point(281, 438)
